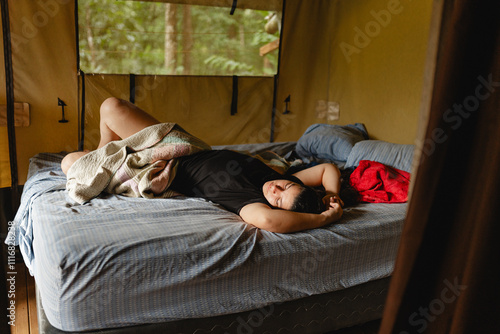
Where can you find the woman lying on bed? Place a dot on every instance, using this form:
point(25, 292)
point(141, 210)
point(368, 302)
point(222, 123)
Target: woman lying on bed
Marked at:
point(242, 184)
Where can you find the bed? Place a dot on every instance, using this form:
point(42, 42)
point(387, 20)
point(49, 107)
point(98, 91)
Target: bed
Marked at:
point(185, 265)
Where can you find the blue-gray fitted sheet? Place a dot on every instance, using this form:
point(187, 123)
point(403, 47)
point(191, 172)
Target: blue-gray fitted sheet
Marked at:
point(120, 261)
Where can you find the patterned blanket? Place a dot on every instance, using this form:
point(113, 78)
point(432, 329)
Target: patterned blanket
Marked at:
point(142, 165)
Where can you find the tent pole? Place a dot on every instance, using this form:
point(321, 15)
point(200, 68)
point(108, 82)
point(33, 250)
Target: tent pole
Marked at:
point(4, 328)
point(81, 139)
point(81, 82)
point(276, 77)
point(9, 77)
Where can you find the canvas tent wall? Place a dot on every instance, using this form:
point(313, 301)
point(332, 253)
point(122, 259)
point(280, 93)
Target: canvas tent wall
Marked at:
point(379, 83)
point(367, 56)
point(449, 239)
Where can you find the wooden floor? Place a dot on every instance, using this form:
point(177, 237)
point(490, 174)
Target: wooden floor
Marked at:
point(27, 321)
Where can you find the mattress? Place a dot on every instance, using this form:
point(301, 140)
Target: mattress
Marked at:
point(353, 307)
point(120, 261)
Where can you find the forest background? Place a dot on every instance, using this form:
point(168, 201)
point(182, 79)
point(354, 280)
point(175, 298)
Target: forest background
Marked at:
point(123, 37)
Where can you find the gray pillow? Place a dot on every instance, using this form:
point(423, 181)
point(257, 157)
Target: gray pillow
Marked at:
point(398, 156)
point(330, 142)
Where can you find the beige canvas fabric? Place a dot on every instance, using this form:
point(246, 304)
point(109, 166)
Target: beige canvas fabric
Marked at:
point(325, 63)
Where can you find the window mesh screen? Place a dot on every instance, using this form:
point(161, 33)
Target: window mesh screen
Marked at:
point(123, 37)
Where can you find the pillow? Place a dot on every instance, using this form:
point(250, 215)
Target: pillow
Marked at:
point(330, 142)
point(398, 156)
point(281, 148)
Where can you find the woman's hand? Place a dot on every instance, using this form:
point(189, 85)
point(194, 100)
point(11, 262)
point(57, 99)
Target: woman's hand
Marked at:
point(333, 212)
point(329, 197)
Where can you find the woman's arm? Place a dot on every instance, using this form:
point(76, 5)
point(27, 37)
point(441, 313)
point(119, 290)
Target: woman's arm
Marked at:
point(326, 175)
point(283, 221)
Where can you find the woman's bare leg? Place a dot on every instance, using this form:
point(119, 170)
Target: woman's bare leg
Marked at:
point(70, 159)
point(121, 119)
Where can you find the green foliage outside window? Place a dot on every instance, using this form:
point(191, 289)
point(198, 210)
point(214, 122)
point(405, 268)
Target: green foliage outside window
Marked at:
point(123, 37)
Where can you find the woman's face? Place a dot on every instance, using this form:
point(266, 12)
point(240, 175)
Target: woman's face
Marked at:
point(281, 193)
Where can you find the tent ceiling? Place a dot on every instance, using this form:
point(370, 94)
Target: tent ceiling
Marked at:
point(272, 5)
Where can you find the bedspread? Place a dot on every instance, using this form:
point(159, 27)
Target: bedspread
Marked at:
point(142, 165)
point(120, 261)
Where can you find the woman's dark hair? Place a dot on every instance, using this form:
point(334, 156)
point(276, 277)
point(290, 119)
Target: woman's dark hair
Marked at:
point(348, 194)
point(308, 201)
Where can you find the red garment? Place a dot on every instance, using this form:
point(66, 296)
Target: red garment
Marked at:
point(378, 183)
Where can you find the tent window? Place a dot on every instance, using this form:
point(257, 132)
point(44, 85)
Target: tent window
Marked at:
point(122, 37)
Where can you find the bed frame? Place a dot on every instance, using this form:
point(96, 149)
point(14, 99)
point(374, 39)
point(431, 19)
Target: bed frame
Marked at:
point(314, 314)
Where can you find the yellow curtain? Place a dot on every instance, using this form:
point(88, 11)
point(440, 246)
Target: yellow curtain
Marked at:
point(367, 57)
point(202, 105)
point(44, 68)
point(5, 180)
